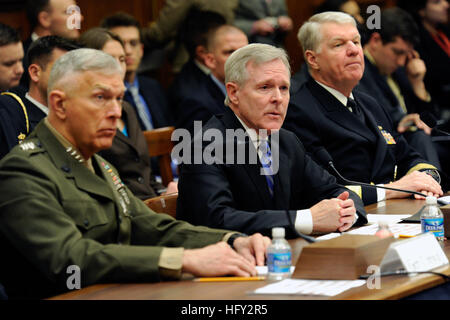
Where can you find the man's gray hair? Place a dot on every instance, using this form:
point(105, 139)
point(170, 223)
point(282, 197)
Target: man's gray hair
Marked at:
point(257, 53)
point(310, 33)
point(78, 61)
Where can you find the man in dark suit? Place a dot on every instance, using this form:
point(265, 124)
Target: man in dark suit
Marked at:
point(270, 181)
point(329, 116)
point(194, 34)
point(143, 93)
point(394, 76)
point(24, 111)
point(208, 99)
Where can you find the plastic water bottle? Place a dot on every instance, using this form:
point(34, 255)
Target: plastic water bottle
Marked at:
point(432, 219)
point(279, 256)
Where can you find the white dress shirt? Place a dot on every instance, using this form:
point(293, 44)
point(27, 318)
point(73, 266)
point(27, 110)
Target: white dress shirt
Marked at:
point(303, 220)
point(39, 105)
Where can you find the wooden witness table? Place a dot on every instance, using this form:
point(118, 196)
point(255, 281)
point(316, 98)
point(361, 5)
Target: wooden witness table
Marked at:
point(392, 287)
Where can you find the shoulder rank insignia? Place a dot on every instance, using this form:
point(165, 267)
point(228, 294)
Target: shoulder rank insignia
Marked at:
point(387, 136)
point(25, 146)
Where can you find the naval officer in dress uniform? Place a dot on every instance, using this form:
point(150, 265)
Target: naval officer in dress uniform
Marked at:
point(331, 116)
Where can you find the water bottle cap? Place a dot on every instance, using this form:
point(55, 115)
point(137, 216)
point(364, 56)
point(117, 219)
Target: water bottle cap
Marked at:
point(383, 223)
point(277, 232)
point(431, 200)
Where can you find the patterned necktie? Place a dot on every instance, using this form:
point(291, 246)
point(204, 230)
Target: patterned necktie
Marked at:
point(141, 109)
point(353, 106)
point(266, 161)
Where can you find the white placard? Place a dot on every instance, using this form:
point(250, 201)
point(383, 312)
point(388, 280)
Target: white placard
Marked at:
point(262, 271)
point(421, 253)
point(309, 287)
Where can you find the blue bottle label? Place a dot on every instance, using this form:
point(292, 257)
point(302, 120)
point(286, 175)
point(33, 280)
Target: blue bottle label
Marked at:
point(279, 262)
point(436, 226)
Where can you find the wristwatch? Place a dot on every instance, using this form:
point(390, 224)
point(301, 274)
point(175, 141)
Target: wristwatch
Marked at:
point(233, 237)
point(434, 173)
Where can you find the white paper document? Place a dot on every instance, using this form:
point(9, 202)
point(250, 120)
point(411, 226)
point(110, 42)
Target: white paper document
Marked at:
point(409, 229)
point(327, 288)
point(388, 218)
point(446, 199)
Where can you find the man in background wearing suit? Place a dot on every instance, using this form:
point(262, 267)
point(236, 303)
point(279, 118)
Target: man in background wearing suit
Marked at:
point(62, 206)
point(143, 93)
point(394, 75)
point(328, 115)
point(284, 187)
point(195, 32)
point(208, 99)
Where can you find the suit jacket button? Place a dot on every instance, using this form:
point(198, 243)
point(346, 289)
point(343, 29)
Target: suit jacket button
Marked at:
point(141, 180)
point(65, 168)
point(137, 159)
point(86, 222)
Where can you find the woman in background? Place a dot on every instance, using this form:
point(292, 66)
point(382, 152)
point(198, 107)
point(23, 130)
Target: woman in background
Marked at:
point(129, 152)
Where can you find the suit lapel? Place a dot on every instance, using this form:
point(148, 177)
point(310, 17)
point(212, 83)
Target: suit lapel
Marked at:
point(282, 178)
point(382, 83)
point(35, 115)
point(217, 95)
point(90, 182)
point(381, 149)
point(253, 171)
point(132, 130)
point(336, 112)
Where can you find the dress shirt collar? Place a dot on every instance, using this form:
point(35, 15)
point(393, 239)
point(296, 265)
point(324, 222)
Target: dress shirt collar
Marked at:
point(134, 84)
point(202, 67)
point(342, 99)
point(34, 36)
point(254, 136)
point(220, 84)
point(370, 57)
point(39, 105)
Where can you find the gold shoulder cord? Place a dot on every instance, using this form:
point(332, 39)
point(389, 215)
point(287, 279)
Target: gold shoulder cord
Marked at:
point(21, 136)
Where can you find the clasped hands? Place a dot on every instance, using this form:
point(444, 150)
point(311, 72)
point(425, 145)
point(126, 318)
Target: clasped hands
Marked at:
point(337, 214)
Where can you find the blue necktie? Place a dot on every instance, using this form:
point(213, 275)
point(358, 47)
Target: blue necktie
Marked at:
point(266, 161)
point(141, 109)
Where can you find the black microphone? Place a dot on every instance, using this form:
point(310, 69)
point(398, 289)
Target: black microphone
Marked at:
point(325, 159)
point(430, 120)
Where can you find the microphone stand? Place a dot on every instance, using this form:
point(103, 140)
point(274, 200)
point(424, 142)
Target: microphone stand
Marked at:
point(331, 164)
